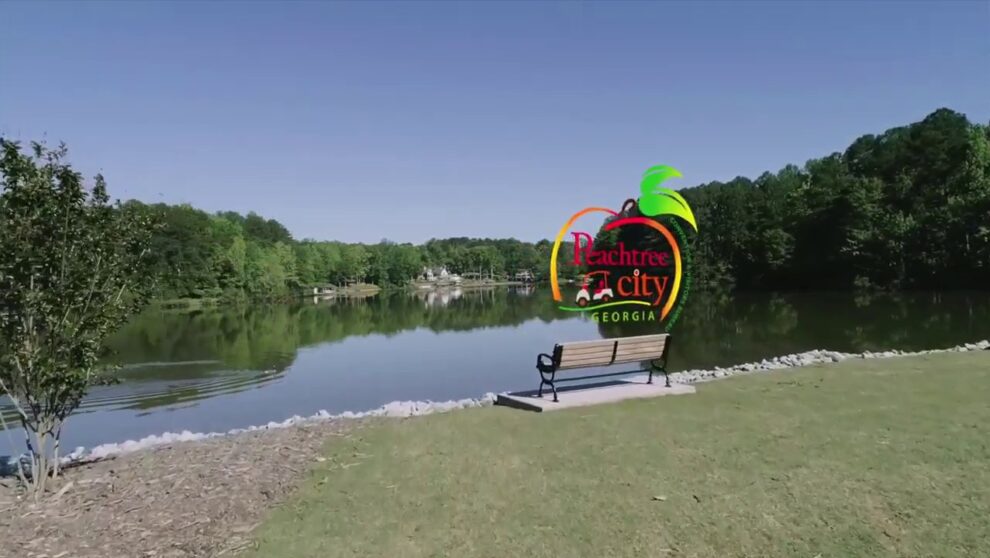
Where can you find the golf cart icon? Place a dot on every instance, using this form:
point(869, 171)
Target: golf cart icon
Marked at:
point(601, 292)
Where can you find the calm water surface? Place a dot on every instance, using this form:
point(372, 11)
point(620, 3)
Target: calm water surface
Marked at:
point(217, 369)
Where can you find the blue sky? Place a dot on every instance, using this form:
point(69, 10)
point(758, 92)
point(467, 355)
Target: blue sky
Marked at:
point(412, 120)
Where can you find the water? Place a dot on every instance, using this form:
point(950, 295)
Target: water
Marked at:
point(217, 369)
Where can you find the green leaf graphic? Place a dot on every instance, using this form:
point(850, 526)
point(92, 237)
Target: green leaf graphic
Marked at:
point(656, 200)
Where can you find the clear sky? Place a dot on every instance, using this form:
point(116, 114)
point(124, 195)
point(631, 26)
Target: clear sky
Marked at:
point(412, 120)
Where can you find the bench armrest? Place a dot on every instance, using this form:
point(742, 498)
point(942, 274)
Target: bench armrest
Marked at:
point(547, 366)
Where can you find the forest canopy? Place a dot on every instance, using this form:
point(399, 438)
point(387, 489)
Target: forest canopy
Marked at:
point(200, 255)
point(908, 208)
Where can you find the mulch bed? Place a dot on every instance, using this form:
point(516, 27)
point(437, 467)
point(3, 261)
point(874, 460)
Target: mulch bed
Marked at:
point(189, 499)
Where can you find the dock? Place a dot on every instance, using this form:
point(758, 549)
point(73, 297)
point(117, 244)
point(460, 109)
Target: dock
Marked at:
point(585, 395)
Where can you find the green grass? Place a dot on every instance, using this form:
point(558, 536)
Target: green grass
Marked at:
point(864, 458)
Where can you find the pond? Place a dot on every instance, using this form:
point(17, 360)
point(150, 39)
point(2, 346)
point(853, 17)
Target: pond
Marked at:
point(223, 368)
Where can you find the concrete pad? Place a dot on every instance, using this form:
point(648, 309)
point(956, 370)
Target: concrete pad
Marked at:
point(591, 394)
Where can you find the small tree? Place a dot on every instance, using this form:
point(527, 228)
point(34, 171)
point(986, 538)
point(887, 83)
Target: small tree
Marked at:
point(71, 272)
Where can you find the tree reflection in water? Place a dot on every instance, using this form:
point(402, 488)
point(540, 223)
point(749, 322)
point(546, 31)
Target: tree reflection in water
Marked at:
point(172, 358)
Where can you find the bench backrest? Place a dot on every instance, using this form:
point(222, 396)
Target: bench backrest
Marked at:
point(603, 352)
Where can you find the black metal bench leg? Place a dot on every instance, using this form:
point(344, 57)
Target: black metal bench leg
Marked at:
point(545, 382)
point(654, 367)
point(549, 382)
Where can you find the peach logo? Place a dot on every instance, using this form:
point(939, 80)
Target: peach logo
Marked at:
point(635, 283)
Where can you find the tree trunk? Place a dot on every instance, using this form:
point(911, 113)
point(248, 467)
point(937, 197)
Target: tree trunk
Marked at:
point(39, 464)
point(55, 450)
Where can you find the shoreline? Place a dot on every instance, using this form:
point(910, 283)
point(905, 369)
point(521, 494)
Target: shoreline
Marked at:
point(405, 409)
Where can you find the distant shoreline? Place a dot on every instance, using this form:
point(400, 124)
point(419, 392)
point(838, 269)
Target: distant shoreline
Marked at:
point(355, 291)
point(366, 290)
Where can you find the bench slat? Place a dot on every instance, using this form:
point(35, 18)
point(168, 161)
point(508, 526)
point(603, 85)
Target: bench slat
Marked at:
point(633, 339)
point(644, 339)
point(641, 347)
point(654, 348)
point(567, 350)
point(576, 360)
point(582, 346)
point(568, 355)
point(586, 363)
point(606, 359)
point(572, 353)
point(602, 352)
point(637, 357)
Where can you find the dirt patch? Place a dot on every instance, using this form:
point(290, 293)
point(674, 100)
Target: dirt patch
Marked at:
point(189, 499)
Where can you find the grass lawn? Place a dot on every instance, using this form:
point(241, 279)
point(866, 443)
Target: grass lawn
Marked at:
point(883, 457)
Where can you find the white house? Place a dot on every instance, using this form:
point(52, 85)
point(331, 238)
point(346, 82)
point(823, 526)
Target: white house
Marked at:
point(435, 273)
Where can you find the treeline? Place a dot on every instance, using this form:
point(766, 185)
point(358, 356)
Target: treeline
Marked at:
point(200, 255)
point(909, 208)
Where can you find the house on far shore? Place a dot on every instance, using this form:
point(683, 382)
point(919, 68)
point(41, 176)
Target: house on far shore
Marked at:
point(525, 276)
point(322, 290)
point(435, 274)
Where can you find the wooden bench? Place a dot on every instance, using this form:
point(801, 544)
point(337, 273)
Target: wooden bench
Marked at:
point(603, 352)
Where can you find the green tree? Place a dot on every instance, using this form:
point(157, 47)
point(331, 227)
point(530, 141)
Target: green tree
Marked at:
point(354, 265)
point(231, 267)
point(228, 255)
point(268, 231)
point(182, 252)
point(71, 272)
point(309, 264)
